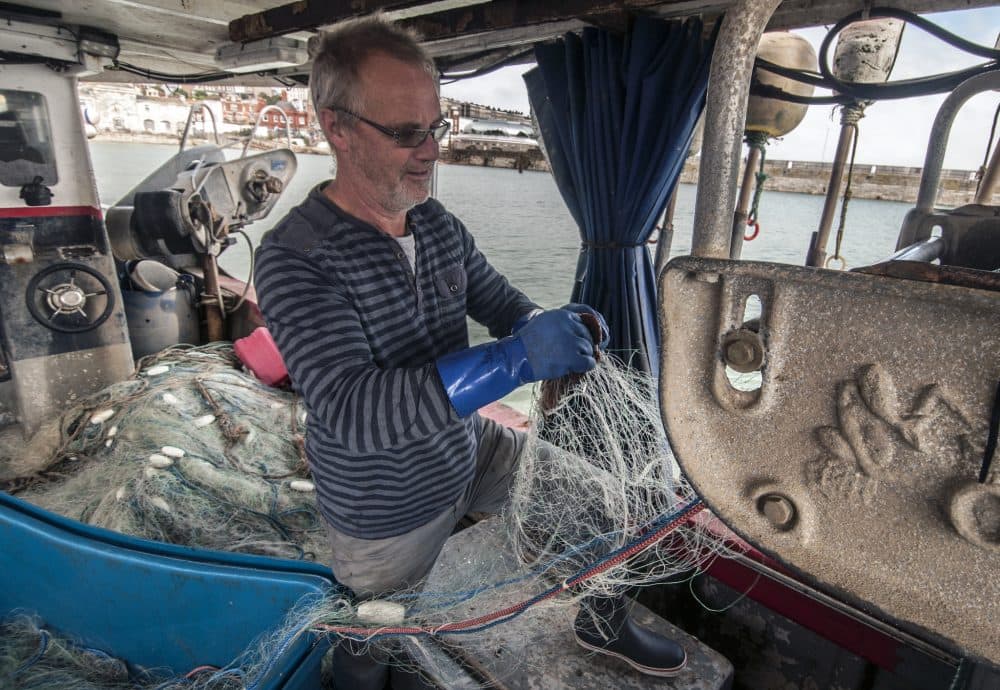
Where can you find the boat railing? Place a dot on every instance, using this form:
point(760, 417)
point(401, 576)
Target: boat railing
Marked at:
point(187, 126)
point(260, 118)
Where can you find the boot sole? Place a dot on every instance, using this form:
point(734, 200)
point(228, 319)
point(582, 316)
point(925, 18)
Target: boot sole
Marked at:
point(648, 670)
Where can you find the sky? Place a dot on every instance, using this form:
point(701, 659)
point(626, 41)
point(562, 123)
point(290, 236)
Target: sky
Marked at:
point(891, 133)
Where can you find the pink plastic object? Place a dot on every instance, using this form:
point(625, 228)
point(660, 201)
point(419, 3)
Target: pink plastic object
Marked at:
point(260, 355)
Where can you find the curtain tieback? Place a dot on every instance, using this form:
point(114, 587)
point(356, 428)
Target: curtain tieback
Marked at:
point(585, 245)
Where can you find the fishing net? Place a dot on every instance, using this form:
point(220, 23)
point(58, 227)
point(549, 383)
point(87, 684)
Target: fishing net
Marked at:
point(191, 451)
point(34, 657)
point(598, 507)
point(203, 454)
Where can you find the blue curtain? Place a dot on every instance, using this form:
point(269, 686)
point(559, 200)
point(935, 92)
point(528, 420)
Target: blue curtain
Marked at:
point(617, 115)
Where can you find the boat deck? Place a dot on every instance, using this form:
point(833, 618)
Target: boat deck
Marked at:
point(537, 649)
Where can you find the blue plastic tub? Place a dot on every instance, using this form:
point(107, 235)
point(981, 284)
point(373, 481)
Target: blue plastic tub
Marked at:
point(154, 605)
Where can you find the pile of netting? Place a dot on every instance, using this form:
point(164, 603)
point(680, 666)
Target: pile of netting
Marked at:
point(35, 657)
point(203, 454)
point(191, 451)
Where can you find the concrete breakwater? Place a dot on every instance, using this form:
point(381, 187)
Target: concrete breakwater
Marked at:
point(880, 182)
point(530, 159)
point(883, 182)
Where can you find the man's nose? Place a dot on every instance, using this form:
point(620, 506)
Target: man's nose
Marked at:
point(429, 149)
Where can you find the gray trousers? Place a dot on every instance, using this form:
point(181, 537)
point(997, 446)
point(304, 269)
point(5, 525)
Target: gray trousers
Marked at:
point(372, 567)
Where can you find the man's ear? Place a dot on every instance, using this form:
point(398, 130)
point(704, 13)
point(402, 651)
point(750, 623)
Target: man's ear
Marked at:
point(333, 129)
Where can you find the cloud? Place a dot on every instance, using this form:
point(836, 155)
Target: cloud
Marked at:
point(501, 89)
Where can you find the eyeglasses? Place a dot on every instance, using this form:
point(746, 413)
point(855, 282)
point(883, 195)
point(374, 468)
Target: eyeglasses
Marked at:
point(407, 137)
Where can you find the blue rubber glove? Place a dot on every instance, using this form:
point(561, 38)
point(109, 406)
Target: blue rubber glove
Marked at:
point(519, 324)
point(557, 343)
point(550, 345)
point(579, 308)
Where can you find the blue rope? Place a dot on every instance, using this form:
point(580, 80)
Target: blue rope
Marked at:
point(285, 644)
point(43, 646)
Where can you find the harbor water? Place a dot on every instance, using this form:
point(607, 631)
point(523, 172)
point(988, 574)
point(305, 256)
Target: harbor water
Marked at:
point(521, 224)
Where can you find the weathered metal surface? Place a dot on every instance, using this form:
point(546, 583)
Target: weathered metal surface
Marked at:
point(725, 118)
point(537, 650)
point(870, 422)
point(934, 273)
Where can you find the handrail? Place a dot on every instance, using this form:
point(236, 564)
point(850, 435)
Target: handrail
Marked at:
point(941, 130)
point(187, 126)
point(725, 120)
point(915, 227)
point(260, 116)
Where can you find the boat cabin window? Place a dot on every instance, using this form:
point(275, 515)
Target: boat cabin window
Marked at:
point(26, 150)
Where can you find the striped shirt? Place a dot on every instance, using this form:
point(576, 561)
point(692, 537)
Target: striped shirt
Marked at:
point(359, 331)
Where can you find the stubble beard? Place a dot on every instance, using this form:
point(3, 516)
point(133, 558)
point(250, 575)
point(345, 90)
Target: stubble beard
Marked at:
point(395, 192)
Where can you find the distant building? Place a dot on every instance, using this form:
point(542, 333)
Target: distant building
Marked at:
point(474, 111)
point(164, 109)
point(298, 113)
point(240, 108)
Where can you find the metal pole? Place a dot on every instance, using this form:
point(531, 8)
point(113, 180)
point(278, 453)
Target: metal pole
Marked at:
point(743, 206)
point(817, 249)
point(925, 251)
point(725, 119)
point(941, 131)
point(215, 318)
point(666, 237)
point(913, 230)
point(990, 183)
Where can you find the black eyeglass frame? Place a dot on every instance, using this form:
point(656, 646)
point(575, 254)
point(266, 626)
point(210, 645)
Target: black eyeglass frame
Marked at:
point(399, 135)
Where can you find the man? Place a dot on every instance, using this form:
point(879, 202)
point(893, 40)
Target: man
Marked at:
point(365, 288)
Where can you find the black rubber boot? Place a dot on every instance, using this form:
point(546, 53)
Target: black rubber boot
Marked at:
point(355, 669)
point(604, 626)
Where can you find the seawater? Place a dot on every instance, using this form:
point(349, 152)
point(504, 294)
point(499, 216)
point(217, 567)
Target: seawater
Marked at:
point(521, 224)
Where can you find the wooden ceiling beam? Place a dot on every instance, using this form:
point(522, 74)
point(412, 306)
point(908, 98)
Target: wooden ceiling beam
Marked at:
point(502, 15)
point(471, 17)
point(307, 14)
point(454, 27)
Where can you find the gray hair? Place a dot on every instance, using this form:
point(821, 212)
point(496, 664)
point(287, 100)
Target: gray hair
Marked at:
point(338, 55)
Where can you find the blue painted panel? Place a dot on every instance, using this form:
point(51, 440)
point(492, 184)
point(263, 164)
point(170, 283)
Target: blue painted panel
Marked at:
point(154, 605)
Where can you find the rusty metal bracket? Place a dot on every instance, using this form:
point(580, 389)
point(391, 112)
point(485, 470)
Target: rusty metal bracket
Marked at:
point(856, 459)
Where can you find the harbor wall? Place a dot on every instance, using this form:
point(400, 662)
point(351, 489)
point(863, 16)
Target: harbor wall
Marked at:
point(884, 182)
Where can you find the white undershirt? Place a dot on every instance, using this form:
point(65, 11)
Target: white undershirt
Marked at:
point(409, 245)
